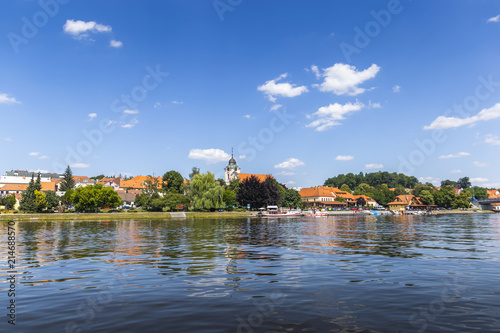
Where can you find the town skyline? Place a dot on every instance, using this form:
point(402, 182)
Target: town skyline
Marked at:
point(309, 92)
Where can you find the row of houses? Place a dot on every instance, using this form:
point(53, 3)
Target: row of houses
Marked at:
point(330, 197)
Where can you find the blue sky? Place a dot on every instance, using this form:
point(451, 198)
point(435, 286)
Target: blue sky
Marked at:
point(301, 90)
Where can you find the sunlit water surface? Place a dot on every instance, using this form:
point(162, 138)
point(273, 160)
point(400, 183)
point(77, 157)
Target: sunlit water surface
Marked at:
point(336, 274)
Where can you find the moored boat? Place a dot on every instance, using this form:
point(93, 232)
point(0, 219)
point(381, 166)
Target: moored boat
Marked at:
point(273, 211)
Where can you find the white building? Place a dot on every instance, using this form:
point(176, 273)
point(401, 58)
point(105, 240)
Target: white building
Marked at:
point(231, 171)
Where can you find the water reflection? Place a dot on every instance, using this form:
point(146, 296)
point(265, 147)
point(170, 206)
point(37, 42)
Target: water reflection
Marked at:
point(336, 273)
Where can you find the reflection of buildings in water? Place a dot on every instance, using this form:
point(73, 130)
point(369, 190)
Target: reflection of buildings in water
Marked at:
point(356, 232)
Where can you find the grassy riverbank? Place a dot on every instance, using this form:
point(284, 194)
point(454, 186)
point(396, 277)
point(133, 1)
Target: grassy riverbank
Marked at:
point(117, 216)
point(165, 215)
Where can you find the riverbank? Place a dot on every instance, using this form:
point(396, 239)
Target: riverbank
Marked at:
point(166, 215)
point(118, 216)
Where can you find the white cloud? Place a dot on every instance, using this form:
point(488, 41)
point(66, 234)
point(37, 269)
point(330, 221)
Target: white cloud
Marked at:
point(443, 122)
point(131, 124)
point(131, 111)
point(273, 89)
point(79, 166)
point(81, 29)
point(461, 154)
point(276, 107)
point(177, 102)
point(242, 157)
point(316, 72)
point(92, 116)
point(456, 171)
point(285, 173)
point(344, 158)
point(44, 157)
point(491, 185)
point(374, 105)
point(290, 163)
point(374, 166)
point(479, 180)
point(157, 105)
point(343, 79)
point(492, 139)
point(210, 156)
point(329, 116)
point(396, 88)
point(433, 180)
point(34, 154)
point(247, 116)
point(480, 164)
point(115, 43)
point(290, 183)
point(7, 139)
point(494, 19)
point(6, 99)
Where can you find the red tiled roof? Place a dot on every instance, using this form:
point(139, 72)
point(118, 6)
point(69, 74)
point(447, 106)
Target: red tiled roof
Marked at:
point(245, 176)
point(138, 182)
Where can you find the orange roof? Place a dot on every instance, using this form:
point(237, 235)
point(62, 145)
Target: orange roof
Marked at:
point(493, 194)
point(138, 182)
point(46, 186)
point(318, 191)
point(367, 198)
point(406, 199)
point(82, 179)
point(245, 176)
point(105, 180)
point(343, 194)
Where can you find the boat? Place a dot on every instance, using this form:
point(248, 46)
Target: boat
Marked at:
point(274, 211)
point(315, 213)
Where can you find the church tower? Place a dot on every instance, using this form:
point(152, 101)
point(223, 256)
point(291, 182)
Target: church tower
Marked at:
point(232, 170)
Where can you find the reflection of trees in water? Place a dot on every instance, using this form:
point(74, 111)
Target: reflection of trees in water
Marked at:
point(363, 235)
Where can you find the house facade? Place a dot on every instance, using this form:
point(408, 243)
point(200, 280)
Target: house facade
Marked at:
point(321, 197)
point(409, 202)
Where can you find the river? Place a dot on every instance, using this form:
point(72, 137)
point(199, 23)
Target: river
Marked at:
point(324, 274)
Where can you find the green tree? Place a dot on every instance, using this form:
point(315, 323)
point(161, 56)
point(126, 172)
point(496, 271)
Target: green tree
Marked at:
point(96, 178)
point(423, 187)
point(340, 199)
point(448, 182)
point(206, 193)
point(345, 188)
point(427, 197)
point(250, 192)
point(399, 190)
point(291, 198)
point(194, 171)
point(174, 200)
point(445, 196)
point(67, 182)
point(464, 183)
point(477, 192)
point(173, 181)
point(9, 201)
point(52, 199)
point(95, 197)
point(229, 198)
point(40, 201)
point(462, 200)
point(28, 201)
point(271, 192)
point(234, 185)
point(66, 199)
point(364, 188)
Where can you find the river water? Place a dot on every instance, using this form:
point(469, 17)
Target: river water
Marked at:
point(329, 274)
